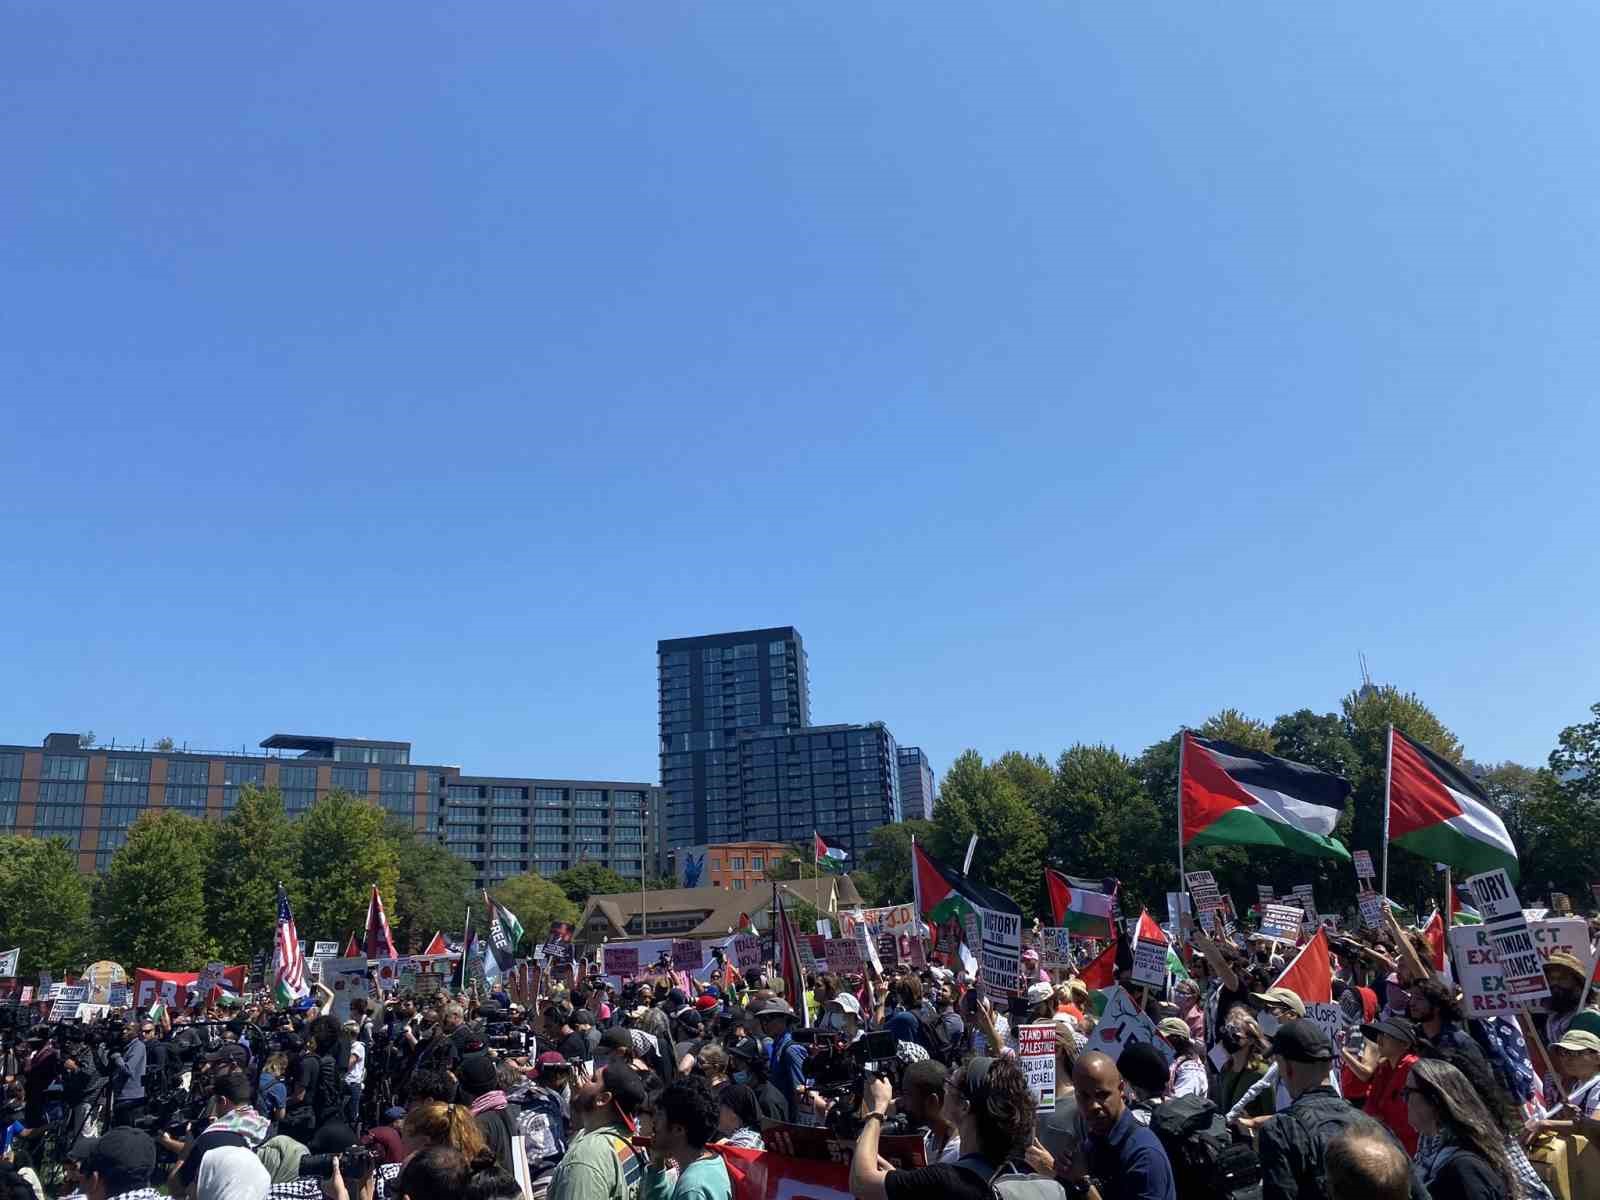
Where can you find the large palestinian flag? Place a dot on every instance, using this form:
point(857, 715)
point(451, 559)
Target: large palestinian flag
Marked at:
point(1231, 796)
point(985, 922)
point(1437, 812)
point(1076, 908)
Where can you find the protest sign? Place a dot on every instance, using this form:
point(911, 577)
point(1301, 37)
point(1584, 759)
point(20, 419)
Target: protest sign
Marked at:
point(346, 978)
point(1306, 898)
point(1561, 902)
point(1265, 893)
point(745, 951)
point(869, 947)
point(558, 942)
point(888, 949)
point(1564, 935)
point(825, 927)
point(1055, 948)
point(688, 954)
point(209, 978)
point(147, 992)
point(27, 996)
point(1371, 909)
point(1150, 962)
point(844, 956)
point(1330, 920)
point(1177, 904)
point(65, 1010)
point(1122, 1023)
point(8, 963)
point(1281, 922)
point(1513, 942)
point(1036, 1055)
point(117, 995)
point(1364, 865)
point(1483, 985)
point(325, 950)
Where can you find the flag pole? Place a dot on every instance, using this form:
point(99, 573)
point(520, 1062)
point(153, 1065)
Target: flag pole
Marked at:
point(1388, 778)
point(1183, 739)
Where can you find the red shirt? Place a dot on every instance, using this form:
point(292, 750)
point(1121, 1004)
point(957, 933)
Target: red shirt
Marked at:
point(1386, 1102)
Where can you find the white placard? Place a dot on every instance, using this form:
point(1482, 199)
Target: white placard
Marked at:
point(1122, 1023)
point(1281, 922)
point(1364, 865)
point(1036, 1055)
point(1371, 909)
point(1508, 930)
point(1150, 963)
point(1055, 947)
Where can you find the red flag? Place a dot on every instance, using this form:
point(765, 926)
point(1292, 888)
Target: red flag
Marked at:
point(1102, 971)
point(436, 948)
point(353, 949)
point(1060, 893)
point(1433, 934)
point(786, 944)
point(1149, 931)
point(1310, 975)
point(380, 944)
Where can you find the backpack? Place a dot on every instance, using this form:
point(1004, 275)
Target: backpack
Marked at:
point(1007, 1182)
point(940, 1045)
point(1206, 1162)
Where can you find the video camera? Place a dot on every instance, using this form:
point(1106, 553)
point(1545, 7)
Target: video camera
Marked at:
point(839, 1068)
point(355, 1164)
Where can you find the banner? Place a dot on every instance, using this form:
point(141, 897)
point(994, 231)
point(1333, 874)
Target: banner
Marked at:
point(1520, 964)
point(1036, 1055)
point(1122, 1023)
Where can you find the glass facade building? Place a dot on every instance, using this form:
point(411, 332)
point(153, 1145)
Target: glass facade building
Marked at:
point(740, 759)
point(916, 784)
point(505, 827)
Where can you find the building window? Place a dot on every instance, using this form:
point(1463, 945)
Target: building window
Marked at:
point(350, 779)
point(65, 766)
point(738, 884)
point(61, 793)
point(236, 776)
point(57, 818)
point(298, 786)
point(127, 770)
point(549, 796)
point(10, 766)
point(736, 863)
point(379, 756)
point(755, 862)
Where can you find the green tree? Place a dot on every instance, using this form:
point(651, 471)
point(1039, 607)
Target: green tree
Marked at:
point(1317, 739)
point(793, 863)
point(431, 891)
point(888, 861)
point(1561, 816)
point(343, 852)
point(661, 883)
point(590, 879)
point(536, 901)
point(989, 800)
point(44, 904)
point(162, 743)
point(151, 903)
point(254, 849)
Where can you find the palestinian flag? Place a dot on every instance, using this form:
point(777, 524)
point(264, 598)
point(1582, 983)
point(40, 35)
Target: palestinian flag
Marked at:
point(1433, 934)
point(1101, 971)
point(791, 968)
point(1231, 796)
point(985, 924)
point(1310, 975)
point(1462, 913)
point(1076, 909)
point(826, 857)
point(1437, 812)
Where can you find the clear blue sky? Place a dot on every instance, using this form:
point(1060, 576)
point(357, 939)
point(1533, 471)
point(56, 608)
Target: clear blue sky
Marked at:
point(1062, 371)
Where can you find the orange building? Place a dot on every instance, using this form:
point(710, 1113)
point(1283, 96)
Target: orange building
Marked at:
point(736, 866)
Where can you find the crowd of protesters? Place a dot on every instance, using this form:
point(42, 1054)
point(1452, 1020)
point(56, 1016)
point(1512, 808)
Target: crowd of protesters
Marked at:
point(649, 1088)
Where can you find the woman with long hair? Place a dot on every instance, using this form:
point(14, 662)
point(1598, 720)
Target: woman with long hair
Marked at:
point(1470, 1161)
point(436, 1124)
point(1508, 1119)
point(739, 1118)
point(1249, 1055)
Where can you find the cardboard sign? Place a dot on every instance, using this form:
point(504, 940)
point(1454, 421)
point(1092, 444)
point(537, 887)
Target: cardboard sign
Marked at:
point(1036, 1055)
point(1364, 865)
point(1055, 948)
point(1511, 937)
point(688, 954)
point(1122, 1023)
point(1150, 963)
point(1281, 922)
point(844, 956)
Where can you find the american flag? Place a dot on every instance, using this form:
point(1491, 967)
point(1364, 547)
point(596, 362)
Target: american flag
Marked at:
point(288, 967)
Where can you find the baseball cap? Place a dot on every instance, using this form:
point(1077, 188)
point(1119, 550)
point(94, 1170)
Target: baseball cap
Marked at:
point(706, 1003)
point(1174, 1027)
point(397, 1113)
point(1578, 1040)
point(1030, 952)
point(1302, 1041)
point(847, 1003)
point(1398, 1028)
point(1562, 959)
point(121, 1150)
point(550, 1059)
point(1283, 996)
point(1038, 993)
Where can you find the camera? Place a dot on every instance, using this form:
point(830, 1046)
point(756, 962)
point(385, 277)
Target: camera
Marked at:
point(355, 1163)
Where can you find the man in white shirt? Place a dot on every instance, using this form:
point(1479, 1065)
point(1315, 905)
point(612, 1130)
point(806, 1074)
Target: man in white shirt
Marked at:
point(355, 1075)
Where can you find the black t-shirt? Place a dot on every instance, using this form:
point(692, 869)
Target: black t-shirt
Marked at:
point(303, 1074)
point(941, 1179)
point(209, 1140)
point(574, 1048)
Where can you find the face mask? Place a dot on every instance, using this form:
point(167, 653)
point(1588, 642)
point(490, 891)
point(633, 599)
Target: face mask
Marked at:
point(741, 1076)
